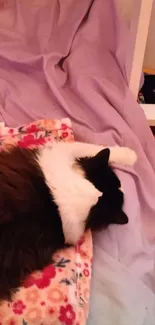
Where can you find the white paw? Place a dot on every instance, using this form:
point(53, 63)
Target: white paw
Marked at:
point(122, 155)
point(130, 156)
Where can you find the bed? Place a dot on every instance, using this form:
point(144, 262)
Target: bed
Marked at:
point(70, 59)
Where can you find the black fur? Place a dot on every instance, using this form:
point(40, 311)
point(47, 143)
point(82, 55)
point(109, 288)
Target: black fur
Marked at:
point(99, 172)
point(108, 210)
point(30, 224)
point(32, 229)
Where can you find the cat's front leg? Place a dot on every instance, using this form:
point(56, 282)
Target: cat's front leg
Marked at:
point(119, 155)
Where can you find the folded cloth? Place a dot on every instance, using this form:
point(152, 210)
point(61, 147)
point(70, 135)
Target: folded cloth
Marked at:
point(59, 294)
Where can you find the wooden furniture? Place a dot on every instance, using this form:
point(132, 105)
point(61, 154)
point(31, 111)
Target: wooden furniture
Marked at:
point(137, 41)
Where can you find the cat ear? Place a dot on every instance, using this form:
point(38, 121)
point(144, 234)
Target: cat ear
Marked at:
point(95, 168)
point(96, 163)
point(102, 157)
point(121, 218)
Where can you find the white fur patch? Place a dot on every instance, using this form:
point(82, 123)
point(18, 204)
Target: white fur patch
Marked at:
point(122, 155)
point(73, 194)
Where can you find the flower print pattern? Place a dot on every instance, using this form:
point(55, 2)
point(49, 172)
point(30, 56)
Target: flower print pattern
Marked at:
point(31, 295)
point(67, 315)
point(41, 279)
point(86, 272)
point(49, 296)
point(55, 295)
point(18, 307)
point(33, 315)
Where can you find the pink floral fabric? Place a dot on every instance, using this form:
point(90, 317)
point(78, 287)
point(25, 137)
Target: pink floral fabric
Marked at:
point(60, 293)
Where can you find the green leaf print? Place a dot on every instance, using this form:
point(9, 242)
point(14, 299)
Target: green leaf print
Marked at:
point(24, 323)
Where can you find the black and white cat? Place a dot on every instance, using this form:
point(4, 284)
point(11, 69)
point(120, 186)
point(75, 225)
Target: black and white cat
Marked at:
point(49, 197)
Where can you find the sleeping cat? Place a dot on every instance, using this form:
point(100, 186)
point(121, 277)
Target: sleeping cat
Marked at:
point(49, 197)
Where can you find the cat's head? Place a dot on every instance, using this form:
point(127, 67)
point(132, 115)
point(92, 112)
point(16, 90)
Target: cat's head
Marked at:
point(109, 208)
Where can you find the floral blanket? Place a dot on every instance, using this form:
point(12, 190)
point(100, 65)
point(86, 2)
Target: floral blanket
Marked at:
point(60, 293)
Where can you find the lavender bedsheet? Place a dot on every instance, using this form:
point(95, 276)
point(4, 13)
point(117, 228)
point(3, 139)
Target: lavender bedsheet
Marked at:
point(67, 58)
